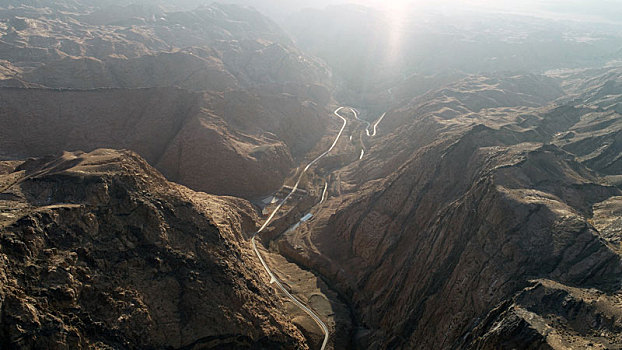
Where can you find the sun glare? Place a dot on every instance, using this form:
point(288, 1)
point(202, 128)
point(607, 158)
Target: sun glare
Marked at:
point(397, 13)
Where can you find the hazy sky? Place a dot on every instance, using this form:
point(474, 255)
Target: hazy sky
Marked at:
point(610, 10)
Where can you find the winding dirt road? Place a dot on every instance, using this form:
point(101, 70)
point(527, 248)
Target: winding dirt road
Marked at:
point(367, 125)
point(273, 278)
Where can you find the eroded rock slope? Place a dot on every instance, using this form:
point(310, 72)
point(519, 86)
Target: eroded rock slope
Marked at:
point(98, 250)
point(481, 220)
point(217, 98)
point(235, 143)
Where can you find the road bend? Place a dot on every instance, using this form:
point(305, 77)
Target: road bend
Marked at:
point(367, 125)
point(367, 132)
point(273, 278)
point(378, 122)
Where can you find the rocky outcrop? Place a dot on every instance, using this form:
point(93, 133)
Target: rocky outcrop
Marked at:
point(98, 250)
point(550, 315)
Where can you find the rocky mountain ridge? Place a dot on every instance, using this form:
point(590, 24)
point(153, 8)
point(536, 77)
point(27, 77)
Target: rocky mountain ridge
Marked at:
point(185, 89)
point(211, 48)
point(482, 206)
point(100, 251)
point(183, 134)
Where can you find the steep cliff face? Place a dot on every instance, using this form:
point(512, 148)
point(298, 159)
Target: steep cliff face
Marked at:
point(465, 220)
point(98, 250)
point(235, 143)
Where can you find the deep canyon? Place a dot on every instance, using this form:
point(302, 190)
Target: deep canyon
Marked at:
point(465, 201)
